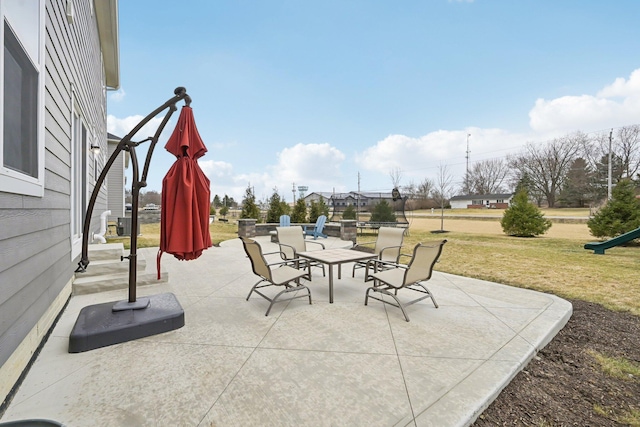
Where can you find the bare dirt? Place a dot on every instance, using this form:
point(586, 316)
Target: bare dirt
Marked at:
point(565, 385)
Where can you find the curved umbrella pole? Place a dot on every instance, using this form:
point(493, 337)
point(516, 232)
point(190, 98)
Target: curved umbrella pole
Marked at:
point(126, 144)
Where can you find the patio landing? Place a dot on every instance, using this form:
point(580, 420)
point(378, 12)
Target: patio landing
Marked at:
point(303, 365)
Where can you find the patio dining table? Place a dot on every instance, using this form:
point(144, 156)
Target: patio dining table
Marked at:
point(336, 256)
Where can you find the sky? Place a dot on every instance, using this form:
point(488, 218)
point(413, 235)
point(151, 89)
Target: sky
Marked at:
point(336, 95)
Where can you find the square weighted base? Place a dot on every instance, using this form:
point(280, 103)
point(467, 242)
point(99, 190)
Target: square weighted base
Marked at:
point(100, 326)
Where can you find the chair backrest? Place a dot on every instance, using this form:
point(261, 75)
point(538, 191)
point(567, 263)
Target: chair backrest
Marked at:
point(258, 263)
point(285, 221)
point(389, 237)
point(291, 237)
point(320, 223)
point(424, 258)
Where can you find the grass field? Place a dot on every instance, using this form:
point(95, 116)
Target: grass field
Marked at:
point(554, 263)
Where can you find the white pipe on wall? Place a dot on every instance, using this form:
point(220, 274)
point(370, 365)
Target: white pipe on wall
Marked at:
point(103, 228)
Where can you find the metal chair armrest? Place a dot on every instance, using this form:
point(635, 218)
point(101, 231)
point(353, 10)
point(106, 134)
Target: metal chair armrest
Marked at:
point(376, 264)
point(287, 262)
point(282, 254)
point(390, 247)
point(312, 241)
point(273, 253)
point(363, 244)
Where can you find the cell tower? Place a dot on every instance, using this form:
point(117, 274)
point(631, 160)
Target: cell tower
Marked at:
point(301, 190)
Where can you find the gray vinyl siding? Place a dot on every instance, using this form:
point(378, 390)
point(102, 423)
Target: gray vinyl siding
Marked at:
point(35, 236)
point(116, 185)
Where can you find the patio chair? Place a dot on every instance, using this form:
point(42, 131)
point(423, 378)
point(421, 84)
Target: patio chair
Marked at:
point(317, 229)
point(285, 221)
point(292, 241)
point(387, 247)
point(281, 276)
point(409, 276)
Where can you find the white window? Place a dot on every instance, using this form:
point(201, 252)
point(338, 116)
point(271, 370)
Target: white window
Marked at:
point(22, 92)
point(79, 151)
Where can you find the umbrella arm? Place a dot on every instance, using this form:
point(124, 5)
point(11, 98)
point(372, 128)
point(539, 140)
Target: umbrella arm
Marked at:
point(126, 144)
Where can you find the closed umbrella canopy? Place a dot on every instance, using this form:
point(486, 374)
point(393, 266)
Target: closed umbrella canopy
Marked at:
point(184, 221)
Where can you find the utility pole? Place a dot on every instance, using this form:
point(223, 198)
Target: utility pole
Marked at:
point(609, 176)
point(358, 199)
point(467, 157)
point(293, 190)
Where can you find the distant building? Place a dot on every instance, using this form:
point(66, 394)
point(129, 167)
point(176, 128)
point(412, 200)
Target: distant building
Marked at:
point(116, 180)
point(481, 201)
point(340, 201)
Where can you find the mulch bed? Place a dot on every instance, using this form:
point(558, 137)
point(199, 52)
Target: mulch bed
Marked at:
point(564, 385)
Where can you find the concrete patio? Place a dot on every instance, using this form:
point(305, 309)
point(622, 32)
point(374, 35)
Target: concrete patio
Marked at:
point(340, 364)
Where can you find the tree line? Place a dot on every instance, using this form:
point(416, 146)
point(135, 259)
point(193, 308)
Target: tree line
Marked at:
point(568, 171)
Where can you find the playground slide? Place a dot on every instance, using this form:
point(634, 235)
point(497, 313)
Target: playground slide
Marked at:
point(599, 247)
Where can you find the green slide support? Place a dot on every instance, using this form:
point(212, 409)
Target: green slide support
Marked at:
point(599, 247)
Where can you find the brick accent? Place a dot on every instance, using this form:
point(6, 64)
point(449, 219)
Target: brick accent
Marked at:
point(247, 228)
point(348, 230)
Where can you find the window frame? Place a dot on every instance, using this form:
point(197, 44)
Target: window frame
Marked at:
point(79, 164)
point(13, 181)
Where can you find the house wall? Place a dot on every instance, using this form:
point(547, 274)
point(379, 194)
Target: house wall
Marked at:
point(459, 204)
point(467, 204)
point(36, 265)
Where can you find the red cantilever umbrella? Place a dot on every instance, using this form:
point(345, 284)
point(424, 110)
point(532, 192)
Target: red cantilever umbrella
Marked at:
point(184, 221)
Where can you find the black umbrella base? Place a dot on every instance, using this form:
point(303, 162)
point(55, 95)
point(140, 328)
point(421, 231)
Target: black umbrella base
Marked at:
point(111, 323)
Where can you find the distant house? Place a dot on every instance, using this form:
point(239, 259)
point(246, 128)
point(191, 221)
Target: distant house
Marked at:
point(363, 200)
point(481, 201)
point(316, 197)
point(59, 58)
point(116, 181)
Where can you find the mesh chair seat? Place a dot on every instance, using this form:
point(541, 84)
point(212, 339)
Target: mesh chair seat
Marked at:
point(410, 276)
point(292, 241)
point(283, 275)
point(387, 247)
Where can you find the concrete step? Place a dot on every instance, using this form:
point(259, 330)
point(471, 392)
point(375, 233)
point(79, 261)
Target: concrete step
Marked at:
point(110, 282)
point(108, 275)
point(110, 266)
point(106, 251)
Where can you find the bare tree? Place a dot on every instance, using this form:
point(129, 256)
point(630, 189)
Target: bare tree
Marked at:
point(625, 152)
point(488, 176)
point(442, 190)
point(424, 189)
point(410, 190)
point(396, 176)
point(547, 165)
point(627, 147)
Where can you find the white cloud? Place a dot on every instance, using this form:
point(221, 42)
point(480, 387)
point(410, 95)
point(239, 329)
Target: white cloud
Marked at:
point(117, 95)
point(216, 169)
point(419, 158)
point(623, 88)
point(121, 127)
point(318, 166)
point(617, 104)
point(308, 163)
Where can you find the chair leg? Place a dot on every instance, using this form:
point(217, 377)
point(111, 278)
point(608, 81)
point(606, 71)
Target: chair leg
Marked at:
point(273, 300)
point(386, 292)
point(426, 291)
point(253, 288)
point(287, 290)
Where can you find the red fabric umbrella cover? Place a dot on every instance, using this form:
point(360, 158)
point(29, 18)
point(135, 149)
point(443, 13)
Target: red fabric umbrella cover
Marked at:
point(186, 196)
